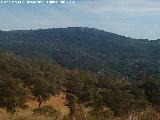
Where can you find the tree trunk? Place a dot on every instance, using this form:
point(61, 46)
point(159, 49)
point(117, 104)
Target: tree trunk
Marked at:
point(39, 104)
point(72, 115)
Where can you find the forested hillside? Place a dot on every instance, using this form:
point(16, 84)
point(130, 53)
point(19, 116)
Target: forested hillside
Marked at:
point(88, 96)
point(86, 48)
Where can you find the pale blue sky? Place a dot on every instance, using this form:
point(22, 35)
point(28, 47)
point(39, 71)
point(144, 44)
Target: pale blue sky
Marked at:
point(133, 18)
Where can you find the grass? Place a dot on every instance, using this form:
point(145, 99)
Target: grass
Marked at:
point(28, 115)
point(22, 115)
point(58, 103)
point(25, 115)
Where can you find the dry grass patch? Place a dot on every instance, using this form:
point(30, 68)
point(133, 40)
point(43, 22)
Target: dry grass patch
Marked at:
point(24, 115)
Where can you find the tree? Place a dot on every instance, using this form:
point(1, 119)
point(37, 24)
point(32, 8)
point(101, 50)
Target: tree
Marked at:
point(152, 92)
point(12, 94)
point(71, 103)
point(42, 91)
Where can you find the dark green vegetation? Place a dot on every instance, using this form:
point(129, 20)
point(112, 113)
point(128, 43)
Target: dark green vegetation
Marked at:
point(108, 74)
point(86, 48)
point(20, 78)
point(47, 111)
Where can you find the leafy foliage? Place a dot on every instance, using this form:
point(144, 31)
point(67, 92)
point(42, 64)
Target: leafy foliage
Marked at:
point(47, 111)
point(12, 94)
point(21, 77)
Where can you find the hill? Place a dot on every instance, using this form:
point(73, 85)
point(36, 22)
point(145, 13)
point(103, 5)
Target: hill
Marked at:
point(86, 48)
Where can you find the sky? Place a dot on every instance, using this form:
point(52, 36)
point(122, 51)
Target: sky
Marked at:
point(131, 18)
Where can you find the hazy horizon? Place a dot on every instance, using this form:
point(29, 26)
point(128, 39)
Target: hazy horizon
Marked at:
point(136, 19)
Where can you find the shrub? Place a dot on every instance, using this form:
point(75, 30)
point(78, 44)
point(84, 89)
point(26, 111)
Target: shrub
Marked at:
point(148, 114)
point(85, 114)
point(101, 115)
point(48, 111)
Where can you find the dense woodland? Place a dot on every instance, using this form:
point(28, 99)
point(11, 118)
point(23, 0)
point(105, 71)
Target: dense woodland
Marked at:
point(98, 93)
point(86, 48)
point(104, 76)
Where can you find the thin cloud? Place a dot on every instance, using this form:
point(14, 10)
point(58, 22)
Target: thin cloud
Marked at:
point(103, 6)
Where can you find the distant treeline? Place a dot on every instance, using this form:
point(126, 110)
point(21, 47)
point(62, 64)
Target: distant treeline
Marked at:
point(86, 48)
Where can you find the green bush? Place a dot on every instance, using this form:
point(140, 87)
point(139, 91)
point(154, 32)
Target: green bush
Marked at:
point(86, 114)
point(101, 115)
point(149, 115)
point(47, 111)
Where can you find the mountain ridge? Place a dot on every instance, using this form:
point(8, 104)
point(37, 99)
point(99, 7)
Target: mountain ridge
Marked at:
point(85, 48)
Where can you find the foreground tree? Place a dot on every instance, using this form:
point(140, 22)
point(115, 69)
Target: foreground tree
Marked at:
point(43, 90)
point(152, 92)
point(72, 103)
point(12, 94)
